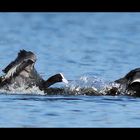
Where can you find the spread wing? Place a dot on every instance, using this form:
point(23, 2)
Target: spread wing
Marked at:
point(16, 69)
point(16, 62)
point(23, 59)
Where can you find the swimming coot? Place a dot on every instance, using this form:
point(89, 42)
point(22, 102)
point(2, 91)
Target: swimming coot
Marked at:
point(130, 83)
point(21, 72)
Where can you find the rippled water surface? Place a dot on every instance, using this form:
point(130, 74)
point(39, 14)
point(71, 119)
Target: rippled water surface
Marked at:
point(104, 45)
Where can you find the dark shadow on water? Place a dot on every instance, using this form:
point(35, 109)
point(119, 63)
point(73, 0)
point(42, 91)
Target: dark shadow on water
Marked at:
point(84, 98)
point(44, 98)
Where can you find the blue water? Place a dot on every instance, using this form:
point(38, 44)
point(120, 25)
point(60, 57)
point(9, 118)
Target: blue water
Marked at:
point(105, 45)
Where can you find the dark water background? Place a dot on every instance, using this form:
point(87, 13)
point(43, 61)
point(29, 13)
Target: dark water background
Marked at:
point(105, 45)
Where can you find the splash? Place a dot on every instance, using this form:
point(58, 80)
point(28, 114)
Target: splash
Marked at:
point(85, 85)
point(22, 90)
point(111, 88)
point(89, 85)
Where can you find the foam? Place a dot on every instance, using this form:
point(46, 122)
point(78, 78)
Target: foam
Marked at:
point(85, 85)
point(23, 90)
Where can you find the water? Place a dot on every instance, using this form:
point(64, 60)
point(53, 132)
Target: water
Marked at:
point(105, 45)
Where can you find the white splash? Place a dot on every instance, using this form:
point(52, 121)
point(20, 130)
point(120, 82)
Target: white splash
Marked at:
point(23, 90)
point(108, 87)
point(91, 84)
point(85, 83)
point(88, 84)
